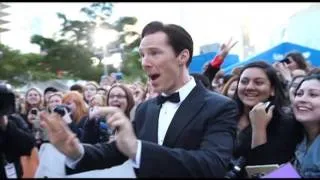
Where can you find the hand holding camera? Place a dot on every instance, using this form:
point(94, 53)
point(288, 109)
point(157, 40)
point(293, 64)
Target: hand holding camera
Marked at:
point(64, 111)
point(283, 69)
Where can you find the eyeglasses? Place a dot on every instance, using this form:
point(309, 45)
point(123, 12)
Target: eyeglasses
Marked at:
point(118, 96)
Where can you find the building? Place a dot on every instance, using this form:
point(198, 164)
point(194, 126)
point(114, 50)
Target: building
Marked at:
point(3, 21)
point(301, 28)
point(209, 48)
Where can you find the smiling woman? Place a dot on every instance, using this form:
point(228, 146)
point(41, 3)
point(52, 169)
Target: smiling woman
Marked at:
point(306, 107)
point(120, 96)
point(265, 136)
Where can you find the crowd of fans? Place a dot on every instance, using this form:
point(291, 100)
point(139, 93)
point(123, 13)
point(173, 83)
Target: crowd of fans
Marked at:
point(286, 131)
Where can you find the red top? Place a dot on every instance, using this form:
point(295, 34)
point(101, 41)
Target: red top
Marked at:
point(217, 61)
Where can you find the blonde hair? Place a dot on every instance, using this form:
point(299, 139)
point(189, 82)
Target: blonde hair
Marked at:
point(103, 98)
point(27, 107)
point(95, 84)
point(60, 94)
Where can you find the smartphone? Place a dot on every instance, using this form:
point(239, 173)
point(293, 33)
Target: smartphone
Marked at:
point(260, 170)
point(268, 104)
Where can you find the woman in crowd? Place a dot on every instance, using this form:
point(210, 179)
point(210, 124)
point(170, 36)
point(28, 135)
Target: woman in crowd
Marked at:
point(90, 89)
point(102, 91)
point(118, 96)
point(293, 86)
point(295, 60)
point(54, 100)
point(306, 108)
point(230, 87)
point(292, 65)
point(30, 113)
point(74, 100)
point(265, 135)
point(33, 100)
point(96, 129)
point(138, 92)
point(139, 95)
point(46, 93)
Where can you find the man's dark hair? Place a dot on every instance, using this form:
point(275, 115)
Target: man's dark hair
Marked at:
point(50, 89)
point(77, 87)
point(178, 37)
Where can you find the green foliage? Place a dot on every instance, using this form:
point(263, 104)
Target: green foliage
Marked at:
point(70, 57)
point(18, 69)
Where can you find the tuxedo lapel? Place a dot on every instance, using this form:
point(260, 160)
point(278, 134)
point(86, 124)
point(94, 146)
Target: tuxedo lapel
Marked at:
point(149, 131)
point(185, 113)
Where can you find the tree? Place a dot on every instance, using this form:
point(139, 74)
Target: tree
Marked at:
point(67, 60)
point(98, 15)
point(19, 69)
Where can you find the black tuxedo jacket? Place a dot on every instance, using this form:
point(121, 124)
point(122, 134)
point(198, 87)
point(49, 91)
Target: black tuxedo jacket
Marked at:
point(198, 143)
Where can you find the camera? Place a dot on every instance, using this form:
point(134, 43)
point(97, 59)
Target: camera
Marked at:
point(285, 60)
point(236, 168)
point(104, 130)
point(61, 110)
point(7, 100)
point(34, 111)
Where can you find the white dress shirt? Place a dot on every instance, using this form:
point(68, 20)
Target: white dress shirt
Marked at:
point(166, 114)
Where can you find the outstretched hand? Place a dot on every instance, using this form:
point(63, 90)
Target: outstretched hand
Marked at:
point(60, 135)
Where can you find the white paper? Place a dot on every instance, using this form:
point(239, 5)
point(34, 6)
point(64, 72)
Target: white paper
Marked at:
point(122, 171)
point(10, 171)
point(51, 162)
point(52, 165)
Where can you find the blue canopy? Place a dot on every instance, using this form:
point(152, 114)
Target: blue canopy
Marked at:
point(278, 52)
point(199, 61)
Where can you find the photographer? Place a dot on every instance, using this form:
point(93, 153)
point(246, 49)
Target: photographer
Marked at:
point(38, 132)
point(15, 140)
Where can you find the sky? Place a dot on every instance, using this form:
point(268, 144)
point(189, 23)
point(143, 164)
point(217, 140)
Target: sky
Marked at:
point(206, 22)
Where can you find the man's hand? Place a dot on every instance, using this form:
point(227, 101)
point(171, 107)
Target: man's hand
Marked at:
point(126, 139)
point(60, 135)
point(96, 111)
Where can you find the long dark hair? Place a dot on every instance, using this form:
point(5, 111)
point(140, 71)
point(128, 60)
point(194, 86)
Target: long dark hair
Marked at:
point(313, 76)
point(279, 99)
point(129, 97)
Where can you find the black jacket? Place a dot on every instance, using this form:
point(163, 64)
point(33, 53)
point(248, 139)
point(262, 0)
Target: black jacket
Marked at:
point(93, 132)
point(283, 135)
point(15, 141)
point(198, 142)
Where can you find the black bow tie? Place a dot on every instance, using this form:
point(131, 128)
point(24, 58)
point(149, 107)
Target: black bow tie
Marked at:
point(175, 98)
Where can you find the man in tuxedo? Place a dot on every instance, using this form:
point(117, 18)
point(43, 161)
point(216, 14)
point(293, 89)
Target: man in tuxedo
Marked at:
point(187, 131)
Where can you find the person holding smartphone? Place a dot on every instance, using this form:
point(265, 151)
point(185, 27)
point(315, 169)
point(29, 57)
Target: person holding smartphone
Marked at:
point(267, 133)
